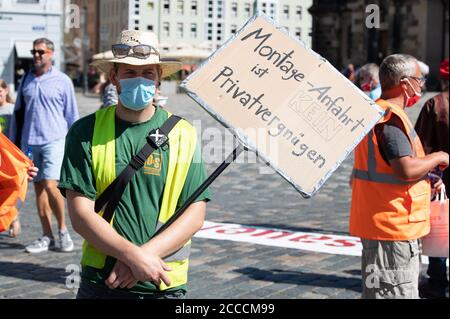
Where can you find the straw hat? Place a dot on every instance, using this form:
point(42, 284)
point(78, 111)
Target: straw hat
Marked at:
point(132, 38)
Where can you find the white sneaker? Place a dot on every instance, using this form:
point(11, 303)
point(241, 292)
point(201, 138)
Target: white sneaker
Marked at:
point(65, 243)
point(40, 245)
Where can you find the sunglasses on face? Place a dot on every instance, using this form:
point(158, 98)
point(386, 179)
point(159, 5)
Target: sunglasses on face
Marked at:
point(141, 51)
point(40, 52)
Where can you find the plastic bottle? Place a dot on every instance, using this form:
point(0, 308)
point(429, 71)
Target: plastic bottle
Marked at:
point(30, 153)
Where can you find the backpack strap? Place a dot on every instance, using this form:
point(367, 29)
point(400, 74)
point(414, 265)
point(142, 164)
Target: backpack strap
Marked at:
point(111, 196)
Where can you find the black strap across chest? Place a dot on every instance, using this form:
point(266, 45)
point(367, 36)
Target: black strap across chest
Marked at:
point(156, 139)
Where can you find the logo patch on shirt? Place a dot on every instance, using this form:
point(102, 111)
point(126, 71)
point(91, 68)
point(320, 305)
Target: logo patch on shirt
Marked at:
point(153, 164)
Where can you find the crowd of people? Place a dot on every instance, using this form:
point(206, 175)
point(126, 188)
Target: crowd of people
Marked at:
point(122, 184)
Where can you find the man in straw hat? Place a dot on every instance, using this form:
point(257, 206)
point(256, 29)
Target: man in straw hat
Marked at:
point(121, 258)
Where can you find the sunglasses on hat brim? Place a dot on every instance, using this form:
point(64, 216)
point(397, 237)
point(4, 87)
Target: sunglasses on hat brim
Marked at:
point(140, 51)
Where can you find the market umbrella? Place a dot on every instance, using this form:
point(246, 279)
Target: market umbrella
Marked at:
point(187, 55)
point(103, 56)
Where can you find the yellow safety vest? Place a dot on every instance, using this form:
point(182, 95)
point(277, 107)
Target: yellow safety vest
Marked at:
point(182, 144)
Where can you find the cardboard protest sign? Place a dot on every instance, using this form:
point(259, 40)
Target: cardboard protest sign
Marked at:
point(263, 80)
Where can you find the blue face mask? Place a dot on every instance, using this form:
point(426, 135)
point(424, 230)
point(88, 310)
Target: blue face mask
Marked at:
point(375, 94)
point(137, 93)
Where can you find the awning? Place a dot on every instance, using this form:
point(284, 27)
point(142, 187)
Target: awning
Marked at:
point(107, 55)
point(188, 55)
point(23, 49)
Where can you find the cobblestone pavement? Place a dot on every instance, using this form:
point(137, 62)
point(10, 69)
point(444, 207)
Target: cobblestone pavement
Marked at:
point(244, 194)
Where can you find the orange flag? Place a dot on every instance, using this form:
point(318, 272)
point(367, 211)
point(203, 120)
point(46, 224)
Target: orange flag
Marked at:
point(13, 180)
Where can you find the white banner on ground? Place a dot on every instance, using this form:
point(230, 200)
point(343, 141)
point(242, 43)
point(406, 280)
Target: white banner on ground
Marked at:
point(264, 80)
point(315, 242)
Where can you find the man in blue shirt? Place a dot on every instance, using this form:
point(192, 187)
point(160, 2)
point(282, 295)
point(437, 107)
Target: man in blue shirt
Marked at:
point(48, 98)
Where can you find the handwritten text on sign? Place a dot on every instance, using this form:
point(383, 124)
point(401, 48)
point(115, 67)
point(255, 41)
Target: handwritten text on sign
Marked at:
point(263, 79)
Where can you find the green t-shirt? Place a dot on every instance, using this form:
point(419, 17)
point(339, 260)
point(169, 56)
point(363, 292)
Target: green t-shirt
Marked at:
point(136, 215)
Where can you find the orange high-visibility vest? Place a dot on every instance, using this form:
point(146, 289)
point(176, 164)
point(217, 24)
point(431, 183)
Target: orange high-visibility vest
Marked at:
point(385, 207)
point(13, 180)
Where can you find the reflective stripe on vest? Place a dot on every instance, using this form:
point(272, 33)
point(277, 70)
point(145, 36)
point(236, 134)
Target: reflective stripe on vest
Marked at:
point(180, 158)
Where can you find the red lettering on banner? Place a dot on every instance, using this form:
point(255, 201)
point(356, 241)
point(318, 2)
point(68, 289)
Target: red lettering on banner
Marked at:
point(342, 243)
point(211, 227)
point(287, 235)
point(312, 237)
point(299, 238)
point(283, 234)
point(235, 231)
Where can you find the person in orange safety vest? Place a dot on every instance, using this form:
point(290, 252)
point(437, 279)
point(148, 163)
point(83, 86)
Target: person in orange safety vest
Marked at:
point(390, 190)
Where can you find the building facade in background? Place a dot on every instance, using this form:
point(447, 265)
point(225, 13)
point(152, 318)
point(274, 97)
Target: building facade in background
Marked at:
point(81, 37)
point(114, 16)
point(202, 23)
point(76, 34)
point(21, 22)
point(416, 27)
point(293, 15)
